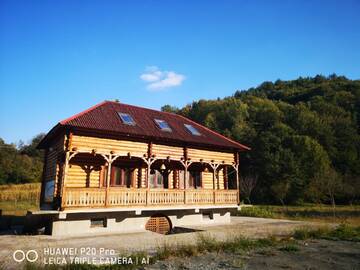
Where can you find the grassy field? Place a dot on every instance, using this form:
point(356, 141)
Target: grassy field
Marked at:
point(17, 199)
point(310, 212)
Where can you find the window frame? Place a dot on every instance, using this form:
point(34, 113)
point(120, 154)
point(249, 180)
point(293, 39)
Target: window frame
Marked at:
point(154, 180)
point(193, 179)
point(124, 121)
point(123, 177)
point(159, 122)
point(192, 130)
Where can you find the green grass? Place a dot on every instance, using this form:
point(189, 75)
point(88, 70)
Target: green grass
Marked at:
point(207, 243)
point(289, 248)
point(309, 212)
point(342, 232)
point(256, 211)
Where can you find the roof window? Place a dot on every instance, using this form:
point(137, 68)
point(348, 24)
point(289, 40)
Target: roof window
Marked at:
point(127, 119)
point(163, 125)
point(192, 130)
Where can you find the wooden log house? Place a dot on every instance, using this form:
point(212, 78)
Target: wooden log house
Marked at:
point(117, 158)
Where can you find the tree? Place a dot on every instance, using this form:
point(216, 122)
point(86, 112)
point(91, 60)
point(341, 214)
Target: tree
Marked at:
point(22, 164)
point(247, 185)
point(169, 108)
point(280, 190)
point(328, 184)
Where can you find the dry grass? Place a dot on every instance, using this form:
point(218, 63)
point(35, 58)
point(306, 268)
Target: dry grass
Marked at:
point(17, 199)
point(22, 192)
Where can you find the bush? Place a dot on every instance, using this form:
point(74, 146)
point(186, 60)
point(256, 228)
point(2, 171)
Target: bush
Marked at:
point(289, 248)
point(256, 211)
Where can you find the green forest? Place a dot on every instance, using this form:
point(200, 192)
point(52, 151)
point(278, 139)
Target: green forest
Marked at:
point(304, 136)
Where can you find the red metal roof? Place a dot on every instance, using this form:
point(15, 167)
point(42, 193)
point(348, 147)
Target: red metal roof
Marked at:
point(104, 117)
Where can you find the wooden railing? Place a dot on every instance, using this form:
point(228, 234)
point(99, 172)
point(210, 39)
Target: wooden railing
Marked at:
point(78, 197)
point(115, 197)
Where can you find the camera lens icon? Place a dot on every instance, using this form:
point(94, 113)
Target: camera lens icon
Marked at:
point(20, 255)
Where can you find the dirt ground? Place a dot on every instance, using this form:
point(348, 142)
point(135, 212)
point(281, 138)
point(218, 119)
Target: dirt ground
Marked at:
point(148, 241)
point(311, 255)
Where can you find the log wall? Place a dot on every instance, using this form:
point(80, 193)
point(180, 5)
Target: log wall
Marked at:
point(164, 151)
point(120, 147)
point(207, 178)
point(78, 176)
point(208, 156)
point(52, 166)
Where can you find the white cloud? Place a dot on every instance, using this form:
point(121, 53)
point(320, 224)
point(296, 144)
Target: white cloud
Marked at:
point(159, 80)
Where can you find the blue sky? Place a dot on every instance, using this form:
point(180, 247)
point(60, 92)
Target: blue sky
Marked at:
point(58, 58)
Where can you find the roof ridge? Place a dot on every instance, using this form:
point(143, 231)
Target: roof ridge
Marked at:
point(65, 121)
point(158, 111)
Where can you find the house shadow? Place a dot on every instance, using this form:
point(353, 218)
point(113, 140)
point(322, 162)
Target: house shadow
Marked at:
point(11, 224)
point(179, 230)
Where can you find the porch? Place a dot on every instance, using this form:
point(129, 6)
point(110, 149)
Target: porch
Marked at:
point(94, 179)
point(125, 197)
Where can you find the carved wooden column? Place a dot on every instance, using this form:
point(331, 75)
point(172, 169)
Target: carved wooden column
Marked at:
point(226, 180)
point(68, 156)
point(109, 160)
point(214, 167)
point(186, 164)
point(236, 168)
point(108, 178)
point(148, 161)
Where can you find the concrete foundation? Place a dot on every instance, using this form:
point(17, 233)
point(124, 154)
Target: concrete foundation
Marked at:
point(75, 224)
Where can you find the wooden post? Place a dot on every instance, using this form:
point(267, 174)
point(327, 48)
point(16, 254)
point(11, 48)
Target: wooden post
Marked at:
point(42, 192)
point(226, 183)
point(214, 168)
point(186, 165)
point(185, 180)
point(148, 182)
point(238, 182)
point(185, 176)
point(63, 185)
point(108, 176)
point(213, 177)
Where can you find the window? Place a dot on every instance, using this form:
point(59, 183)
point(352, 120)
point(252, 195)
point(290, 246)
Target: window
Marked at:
point(121, 177)
point(127, 119)
point(195, 179)
point(192, 130)
point(98, 222)
point(163, 125)
point(158, 180)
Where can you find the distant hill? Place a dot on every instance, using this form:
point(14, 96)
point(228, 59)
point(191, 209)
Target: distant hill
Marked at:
point(304, 136)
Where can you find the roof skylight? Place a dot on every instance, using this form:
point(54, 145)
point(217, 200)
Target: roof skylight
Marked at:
point(127, 119)
point(163, 125)
point(192, 130)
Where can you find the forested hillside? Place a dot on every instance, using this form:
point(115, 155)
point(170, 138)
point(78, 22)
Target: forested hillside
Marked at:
point(20, 163)
point(304, 136)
